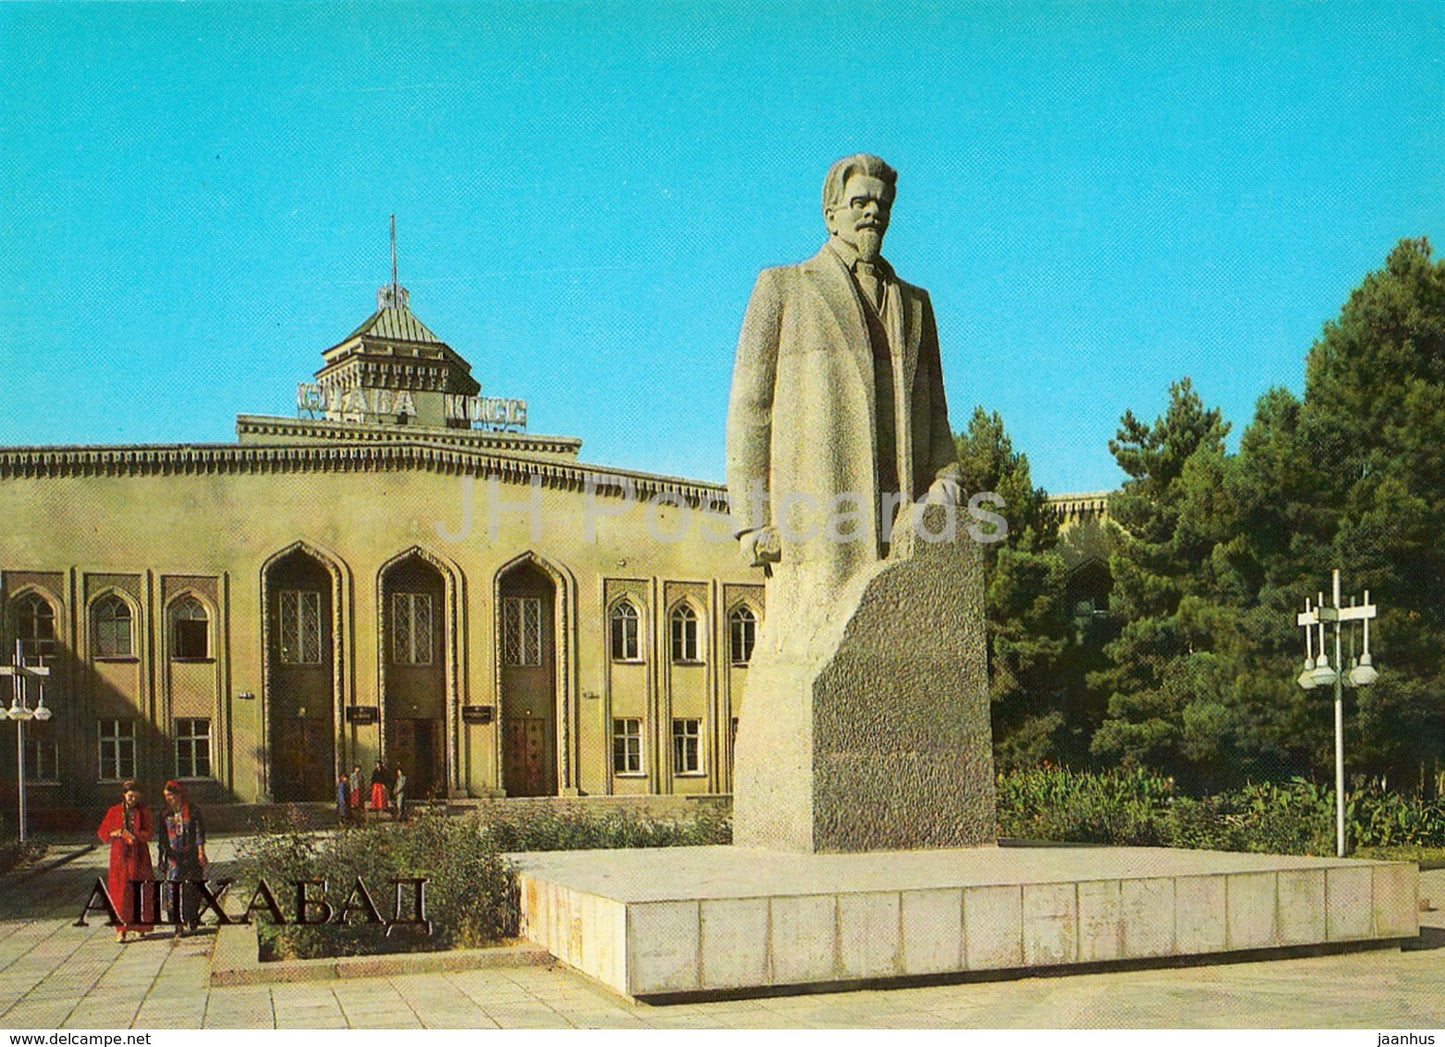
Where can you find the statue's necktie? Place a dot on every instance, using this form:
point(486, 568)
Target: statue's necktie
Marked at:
point(870, 279)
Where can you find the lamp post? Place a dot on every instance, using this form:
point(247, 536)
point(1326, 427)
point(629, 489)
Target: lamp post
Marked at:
point(1318, 672)
point(20, 711)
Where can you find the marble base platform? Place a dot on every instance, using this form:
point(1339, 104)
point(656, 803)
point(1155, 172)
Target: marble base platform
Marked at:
point(668, 922)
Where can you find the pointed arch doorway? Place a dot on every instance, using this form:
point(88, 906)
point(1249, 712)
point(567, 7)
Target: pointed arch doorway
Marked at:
point(417, 671)
point(300, 598)
point(527, 661)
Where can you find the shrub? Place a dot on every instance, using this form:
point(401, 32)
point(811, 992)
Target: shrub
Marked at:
point(1135, 807)
point(553, 827)
point(471, 888)
point(470, 891)
point(1386, 819)
point(1055, 803)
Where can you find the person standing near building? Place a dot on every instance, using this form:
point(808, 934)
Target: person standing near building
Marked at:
point(182, 852)
point(127, 828)
point(343, 795)
point(355, 783)
point(398, 794)
point(378, 787)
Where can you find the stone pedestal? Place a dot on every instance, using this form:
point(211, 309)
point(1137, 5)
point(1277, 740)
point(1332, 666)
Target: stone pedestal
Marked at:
point(665, 923)
point(865, 720)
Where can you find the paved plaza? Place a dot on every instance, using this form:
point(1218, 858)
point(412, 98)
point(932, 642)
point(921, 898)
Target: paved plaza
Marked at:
point(54, 975)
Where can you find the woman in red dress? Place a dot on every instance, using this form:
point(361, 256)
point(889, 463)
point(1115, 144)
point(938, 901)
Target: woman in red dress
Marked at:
point(378, 788)
point(127, 828)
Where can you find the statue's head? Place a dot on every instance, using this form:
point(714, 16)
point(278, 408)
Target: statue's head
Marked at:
point(857, 200)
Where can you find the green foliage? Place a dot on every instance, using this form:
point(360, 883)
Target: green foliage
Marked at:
point(554, 827)
point(17, 855)
point(1166, 678)
point(1041, 705)
point(470, 891)
point(1056, 803)
point(471, 888)
point(1220, 552)
point(1140, 808)
point(1387, 819)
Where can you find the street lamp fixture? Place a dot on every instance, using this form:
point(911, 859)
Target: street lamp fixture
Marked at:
point(1319, 672)
point(20, 675)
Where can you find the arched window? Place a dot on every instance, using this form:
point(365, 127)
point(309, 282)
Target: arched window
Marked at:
point(684, 634)
point(190, 629)
point(34, 628)
point(623, 623)
point(111, 628)
point(742, 634)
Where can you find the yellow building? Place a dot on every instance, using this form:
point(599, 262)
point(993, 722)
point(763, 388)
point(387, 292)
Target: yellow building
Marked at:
point(382, 580)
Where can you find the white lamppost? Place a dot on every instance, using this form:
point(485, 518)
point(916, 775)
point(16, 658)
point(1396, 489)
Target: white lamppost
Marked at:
point(20, 711)
point(1318, 672)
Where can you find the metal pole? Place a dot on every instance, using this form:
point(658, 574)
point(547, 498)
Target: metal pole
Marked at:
point(1339, 733)
point(20, 771)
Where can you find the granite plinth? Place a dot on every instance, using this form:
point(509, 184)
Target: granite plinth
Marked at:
point(865, 716)
point(676, 921)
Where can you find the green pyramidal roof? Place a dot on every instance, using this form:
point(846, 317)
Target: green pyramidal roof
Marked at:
point(395, 324)
point(394, 333)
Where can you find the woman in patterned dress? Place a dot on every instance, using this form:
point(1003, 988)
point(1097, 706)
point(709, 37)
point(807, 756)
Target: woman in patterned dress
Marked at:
point(182, 846)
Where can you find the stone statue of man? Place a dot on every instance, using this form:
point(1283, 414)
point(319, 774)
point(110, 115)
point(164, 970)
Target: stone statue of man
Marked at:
point(837, 415)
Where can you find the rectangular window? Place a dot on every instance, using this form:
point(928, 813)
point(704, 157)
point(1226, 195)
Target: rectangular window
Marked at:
point(412, 641)
point(627, 746)
point(193, 748)
point(522, 630)
point(117, 749)
point(42, 755)
point(300, 627)
point(686, 747)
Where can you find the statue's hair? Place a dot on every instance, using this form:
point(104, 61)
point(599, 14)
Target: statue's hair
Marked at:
point(844, 169)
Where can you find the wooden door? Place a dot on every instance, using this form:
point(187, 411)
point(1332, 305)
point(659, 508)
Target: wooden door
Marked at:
point(300, 761)
point(414, 745)
point(526, 765)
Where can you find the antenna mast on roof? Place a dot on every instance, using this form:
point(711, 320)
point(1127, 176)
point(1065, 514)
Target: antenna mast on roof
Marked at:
point(395, 298)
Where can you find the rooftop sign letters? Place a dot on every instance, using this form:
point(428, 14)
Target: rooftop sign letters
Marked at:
point(315, 400)
point(489, 412)
point(352, 405)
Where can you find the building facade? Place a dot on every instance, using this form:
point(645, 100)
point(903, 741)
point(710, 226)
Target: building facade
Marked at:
point(383, 580)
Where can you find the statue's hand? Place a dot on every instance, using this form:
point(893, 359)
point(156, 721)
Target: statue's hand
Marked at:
point(762, 547)
point(945, 491)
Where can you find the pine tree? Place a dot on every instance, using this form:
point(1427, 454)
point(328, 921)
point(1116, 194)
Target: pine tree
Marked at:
point(1170, 665)
point(1367, 494)
point(1027, 624)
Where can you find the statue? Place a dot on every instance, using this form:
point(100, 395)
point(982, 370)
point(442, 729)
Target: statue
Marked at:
point(837, 416)
point(867, 690)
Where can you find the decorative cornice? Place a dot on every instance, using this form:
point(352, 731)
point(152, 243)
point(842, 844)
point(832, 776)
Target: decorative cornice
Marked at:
point(231, 459)
point(353, 432)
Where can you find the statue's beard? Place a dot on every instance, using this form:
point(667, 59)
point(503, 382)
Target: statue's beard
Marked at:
point(869, 243)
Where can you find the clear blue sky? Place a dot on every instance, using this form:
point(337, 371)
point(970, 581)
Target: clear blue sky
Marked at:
point(1101, 198)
